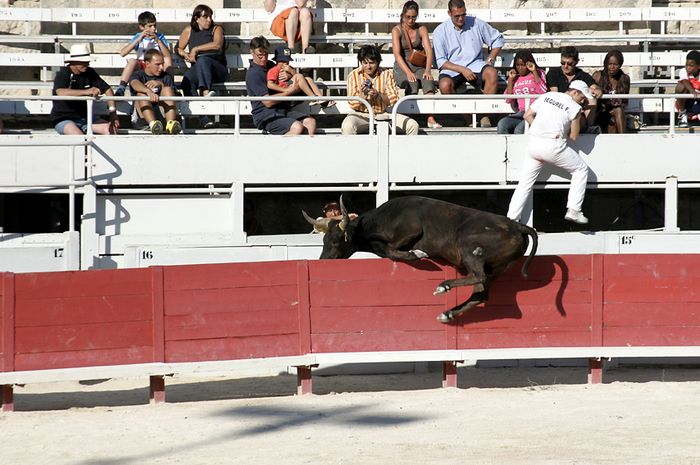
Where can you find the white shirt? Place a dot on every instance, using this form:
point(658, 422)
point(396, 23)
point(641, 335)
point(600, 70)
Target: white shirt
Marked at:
point(555, 112)
point(280, 6)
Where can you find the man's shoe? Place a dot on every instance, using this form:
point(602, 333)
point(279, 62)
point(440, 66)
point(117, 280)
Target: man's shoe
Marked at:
point(575, 216)
point(173, 127)
point(156, 127)
point(683, 119)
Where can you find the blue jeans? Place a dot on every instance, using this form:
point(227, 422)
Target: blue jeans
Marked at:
point(203, 73)
point(512, 124)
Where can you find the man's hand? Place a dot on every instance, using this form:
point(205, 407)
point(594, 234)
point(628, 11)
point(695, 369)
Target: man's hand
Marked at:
point(92, 92)
point(468, 74)
point(113, 123)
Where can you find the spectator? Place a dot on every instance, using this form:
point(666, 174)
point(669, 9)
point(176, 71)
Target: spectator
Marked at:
point(377, 86)
point(204, 41)
point(149, 38)
point(524, 78)
point(280, 76)
point(458, 46)
point(152, 81)
point(272, 116)
point(331, 211)
point(78, 79)
point(407, 38)
point(612, 80)
point(558, 80)
point(554, 119)
point(689, 83)
point(292, 21)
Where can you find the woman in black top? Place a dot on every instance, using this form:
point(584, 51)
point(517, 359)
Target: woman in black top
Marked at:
point(612, 80)
point(204, 41)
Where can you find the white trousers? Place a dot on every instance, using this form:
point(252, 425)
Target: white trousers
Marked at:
point(558, 153)
point(356, 123)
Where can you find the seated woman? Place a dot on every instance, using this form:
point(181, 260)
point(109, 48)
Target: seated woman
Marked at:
point(406, 37)
point(524, 78)
point(612, 80)
point(292, 21)
point(204, 41)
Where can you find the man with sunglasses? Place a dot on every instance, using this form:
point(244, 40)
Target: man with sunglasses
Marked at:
point(559, 80)
point(458, 44)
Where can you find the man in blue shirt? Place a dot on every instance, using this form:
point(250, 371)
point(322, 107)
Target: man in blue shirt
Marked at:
point(272, 116)
point(458, 46)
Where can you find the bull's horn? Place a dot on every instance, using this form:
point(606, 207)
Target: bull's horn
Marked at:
point(320, 225)
point(346, 218)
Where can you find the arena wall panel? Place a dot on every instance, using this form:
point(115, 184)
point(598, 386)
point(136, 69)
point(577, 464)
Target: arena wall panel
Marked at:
point(86, 318)
point(231, 311)
point(652, 300)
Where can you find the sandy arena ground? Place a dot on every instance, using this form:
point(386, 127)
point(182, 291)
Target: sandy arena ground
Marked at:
point(497, 416)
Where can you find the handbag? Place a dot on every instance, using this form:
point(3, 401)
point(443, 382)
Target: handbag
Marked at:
point(415, 57)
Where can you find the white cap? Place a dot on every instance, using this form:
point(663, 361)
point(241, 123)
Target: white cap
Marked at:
point(79, 53)
point(581, 87)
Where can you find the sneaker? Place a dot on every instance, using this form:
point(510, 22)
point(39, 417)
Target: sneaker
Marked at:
point(327, 103)
point(120, 91)
point(575, 216)
point(683, 119)
point(211, 93)
point(173, 127)
point(156, 127)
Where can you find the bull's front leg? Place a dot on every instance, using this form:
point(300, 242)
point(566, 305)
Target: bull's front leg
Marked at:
point(384, 250)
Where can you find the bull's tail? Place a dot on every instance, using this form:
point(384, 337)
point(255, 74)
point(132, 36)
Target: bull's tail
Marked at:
point(527, 230)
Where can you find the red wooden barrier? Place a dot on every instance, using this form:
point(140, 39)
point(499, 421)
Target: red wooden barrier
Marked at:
point(252, 310)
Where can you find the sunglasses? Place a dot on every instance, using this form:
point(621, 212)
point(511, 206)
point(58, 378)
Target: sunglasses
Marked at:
point(568, 63)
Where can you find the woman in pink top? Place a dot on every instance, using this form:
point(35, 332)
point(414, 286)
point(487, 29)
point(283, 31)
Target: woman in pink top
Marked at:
point(524, 78)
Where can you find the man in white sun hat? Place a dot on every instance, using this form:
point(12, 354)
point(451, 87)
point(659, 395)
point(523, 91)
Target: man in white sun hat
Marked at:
point(78, 79)
point(553, 119)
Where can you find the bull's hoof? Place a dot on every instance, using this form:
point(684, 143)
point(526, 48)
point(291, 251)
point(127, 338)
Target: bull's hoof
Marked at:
point(441, 289)
point(444, 318)
point(419, 253)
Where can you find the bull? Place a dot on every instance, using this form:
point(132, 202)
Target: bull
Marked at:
point(480, 245)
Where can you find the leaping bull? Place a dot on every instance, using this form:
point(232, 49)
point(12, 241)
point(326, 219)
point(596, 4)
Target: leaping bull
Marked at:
point(480, 245)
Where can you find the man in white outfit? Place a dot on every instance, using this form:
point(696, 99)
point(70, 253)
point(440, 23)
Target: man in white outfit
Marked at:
point(553, 119)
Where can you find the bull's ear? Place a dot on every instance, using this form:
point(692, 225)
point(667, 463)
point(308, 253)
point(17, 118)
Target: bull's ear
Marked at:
point(320, 225)
point(346, 218)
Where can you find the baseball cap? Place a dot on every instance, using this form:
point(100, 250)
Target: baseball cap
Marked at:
point(283, 54)
point(582, 87)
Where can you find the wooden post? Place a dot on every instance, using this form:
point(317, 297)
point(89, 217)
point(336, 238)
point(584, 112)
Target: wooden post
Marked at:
point(304, 381)
point(7, 399)
point(595, 371)
point(449, 374)
point(157, 389)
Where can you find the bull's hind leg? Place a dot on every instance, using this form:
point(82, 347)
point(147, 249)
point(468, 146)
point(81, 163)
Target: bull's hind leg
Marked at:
point(475, 299)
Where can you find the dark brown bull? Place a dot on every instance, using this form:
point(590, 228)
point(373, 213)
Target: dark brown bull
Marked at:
point(480, 245)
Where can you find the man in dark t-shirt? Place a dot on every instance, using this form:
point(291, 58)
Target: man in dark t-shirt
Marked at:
point(153, 82)
point(558, 80)
point(272, 116)
point(78, 79)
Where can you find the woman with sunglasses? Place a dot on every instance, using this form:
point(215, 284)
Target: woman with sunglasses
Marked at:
point(406, 37)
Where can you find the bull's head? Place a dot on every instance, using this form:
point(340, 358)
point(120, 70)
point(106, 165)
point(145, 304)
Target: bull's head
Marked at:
point(337, 237)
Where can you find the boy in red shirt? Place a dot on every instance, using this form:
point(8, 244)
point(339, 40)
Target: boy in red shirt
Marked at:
point(689, 83)
point(280, 76)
